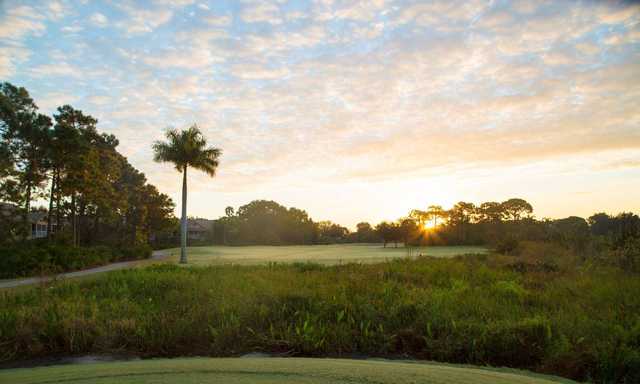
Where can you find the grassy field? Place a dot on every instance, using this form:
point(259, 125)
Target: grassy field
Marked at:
point(580, 321)
point(269, 370)
point(322, 254)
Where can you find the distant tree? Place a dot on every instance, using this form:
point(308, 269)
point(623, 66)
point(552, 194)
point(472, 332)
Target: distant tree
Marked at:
point(572, 232)
point(419, 215)
point(365, 233)
point(389, 232)
point(601, 224)
point(262, 222)
point(159, 211)
point(187, 148)
point(515, 209)
point(460, 215)
point(331, 232)
point(435, 212)
point(229, 211)
point(298, 228)
point(627, 227)
point(491, 211)
point(408, 230)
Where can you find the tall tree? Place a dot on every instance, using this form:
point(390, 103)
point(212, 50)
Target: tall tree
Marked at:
point(388, 232)
point(435, 212)
point(78, 156)
point(365, 233)
point(23, 134)
point(187, 148)
point(515, 209)
point(6, 162)
point(409, 231)
point(491, 211)
point(461, 214)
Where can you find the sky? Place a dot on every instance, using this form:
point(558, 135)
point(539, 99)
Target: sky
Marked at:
point(353, 110)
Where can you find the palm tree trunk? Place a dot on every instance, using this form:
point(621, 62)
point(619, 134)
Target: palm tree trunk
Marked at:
point(74, 221)
point(27, 209)
point(183, 224)
point(50, 213)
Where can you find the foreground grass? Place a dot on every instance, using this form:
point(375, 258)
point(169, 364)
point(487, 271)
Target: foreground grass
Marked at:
point(322, 254)
point(582, 323)
point(269, 370)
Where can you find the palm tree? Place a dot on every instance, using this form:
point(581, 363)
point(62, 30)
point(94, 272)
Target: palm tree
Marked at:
point(185, 149)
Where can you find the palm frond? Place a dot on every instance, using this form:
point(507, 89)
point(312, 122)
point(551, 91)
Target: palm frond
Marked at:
point(187, 148)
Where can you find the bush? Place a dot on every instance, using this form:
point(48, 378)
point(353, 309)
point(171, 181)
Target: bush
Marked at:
point(507, 246)
point(629, 255)
point(41, 258)
point(137, 252)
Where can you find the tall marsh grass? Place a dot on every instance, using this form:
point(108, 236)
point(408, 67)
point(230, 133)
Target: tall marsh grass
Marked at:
point(581, 322)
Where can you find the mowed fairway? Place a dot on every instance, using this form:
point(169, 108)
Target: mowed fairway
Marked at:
point(269, 370)
point(323, 254)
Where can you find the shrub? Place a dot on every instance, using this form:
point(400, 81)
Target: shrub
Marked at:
point(41, 258)
point(507, 245)
point(137, 252)
point(629, 255)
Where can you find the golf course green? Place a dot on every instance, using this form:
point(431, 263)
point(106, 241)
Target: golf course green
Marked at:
point(270, 370)
point(322, 254)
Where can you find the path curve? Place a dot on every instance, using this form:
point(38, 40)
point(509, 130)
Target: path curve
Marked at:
point(156, 255)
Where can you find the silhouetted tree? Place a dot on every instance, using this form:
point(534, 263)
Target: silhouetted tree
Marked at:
point(515, 209)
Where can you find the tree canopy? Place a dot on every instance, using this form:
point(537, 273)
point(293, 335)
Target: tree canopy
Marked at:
point(94, 195)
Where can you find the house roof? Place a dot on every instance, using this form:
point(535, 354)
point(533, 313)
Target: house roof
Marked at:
point(199, 225)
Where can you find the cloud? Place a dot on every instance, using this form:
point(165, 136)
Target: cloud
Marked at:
point(219, 21)
point(194, 51)
point(99, 20)
point(349, 92)
point(631, 36)
point(49, 102)
point(588, 48)
point(256, 71)
point(20, 22)
point(144, 20)
point(278, 42)
point(613, 13)
point(56, 10)
point(10, 57)
point(58, 69)
point(261, 12)
point(442, 15)
point(174, 3)
point(99, 99)
point(360, 11)
point(73, 28)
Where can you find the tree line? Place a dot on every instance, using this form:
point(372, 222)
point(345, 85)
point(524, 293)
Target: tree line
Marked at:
point(267, 222)
point(501, 225)
point(93, 194)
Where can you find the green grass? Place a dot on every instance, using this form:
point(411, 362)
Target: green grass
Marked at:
point(269, 370)
point(576, 321)
point(323, 254)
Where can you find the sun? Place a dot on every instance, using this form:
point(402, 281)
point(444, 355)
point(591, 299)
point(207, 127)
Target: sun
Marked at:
point(427, 226)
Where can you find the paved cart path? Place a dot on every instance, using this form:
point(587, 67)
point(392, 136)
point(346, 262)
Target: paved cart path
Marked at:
point(157, 255)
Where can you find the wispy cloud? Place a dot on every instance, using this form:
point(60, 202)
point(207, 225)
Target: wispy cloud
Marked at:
point(326, 94)
point(141, 20)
